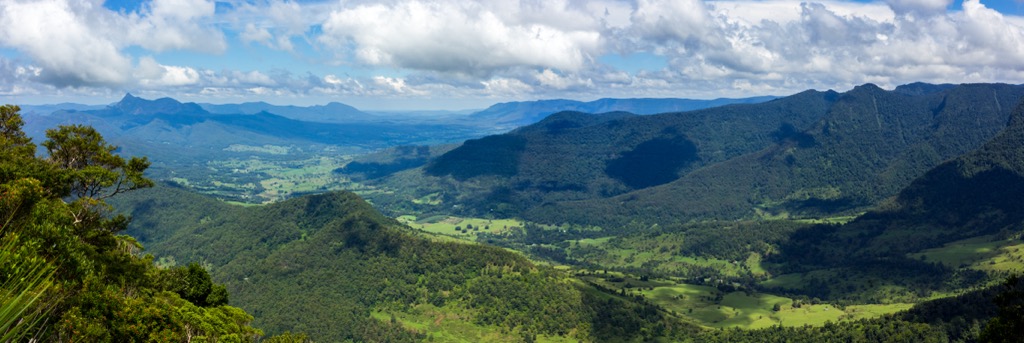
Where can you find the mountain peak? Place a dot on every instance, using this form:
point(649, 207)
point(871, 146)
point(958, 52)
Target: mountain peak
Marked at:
point(921, 88)
point(134, 105)
point(868, 87)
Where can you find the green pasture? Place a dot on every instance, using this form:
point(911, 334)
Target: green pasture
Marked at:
point(468, 228)
point(982, 253)
point(610, 254)
point(456, 326)
point(712, 308)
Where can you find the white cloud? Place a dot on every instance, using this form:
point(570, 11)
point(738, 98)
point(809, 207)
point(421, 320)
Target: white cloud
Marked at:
point(459, 37)
point(275, 23)
point(251, 33)
point(151, 74)
point(395, 85)
point(80, 43)
point(553, 80)
point(63, 42)
point(173, 24)
point(506, 87)
point(515, 48)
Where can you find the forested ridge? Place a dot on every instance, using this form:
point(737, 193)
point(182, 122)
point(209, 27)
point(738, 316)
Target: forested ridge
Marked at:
point(322, 264)
point(974, 195)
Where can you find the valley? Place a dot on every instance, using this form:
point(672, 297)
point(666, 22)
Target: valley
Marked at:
point(419, 171)
point(811, 216)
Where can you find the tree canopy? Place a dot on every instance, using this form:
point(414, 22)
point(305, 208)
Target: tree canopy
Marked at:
point(68, 273)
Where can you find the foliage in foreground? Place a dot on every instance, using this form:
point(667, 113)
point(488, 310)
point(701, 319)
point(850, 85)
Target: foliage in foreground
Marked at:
point(67, 273)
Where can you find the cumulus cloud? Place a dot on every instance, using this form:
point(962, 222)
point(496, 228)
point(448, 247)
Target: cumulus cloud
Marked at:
point(63, 42)
point(506, 87)
point(515, 48)
point(275, 23)
point(149, 73)
point(80, 43)
point(459, 37)
point(173, 24)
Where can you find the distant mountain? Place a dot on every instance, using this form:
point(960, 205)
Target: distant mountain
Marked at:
point(515, 114)
point(183, 140)
point(333, 112)
point(132, 105)
point(47, 109)
point(145, 124)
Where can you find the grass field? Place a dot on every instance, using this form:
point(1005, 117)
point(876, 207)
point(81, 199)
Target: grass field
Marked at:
point(635, 253)
point(982, 253)
point(712, 308)
point(262, 179)
point(448, 325)
point(459, 227)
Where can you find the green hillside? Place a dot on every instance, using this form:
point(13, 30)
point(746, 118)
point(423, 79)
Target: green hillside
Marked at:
point(328, 265)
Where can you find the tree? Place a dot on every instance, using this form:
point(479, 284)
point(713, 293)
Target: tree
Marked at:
point(90, 169)
point(1009, 323)
point(12, 139)
point(64, 273)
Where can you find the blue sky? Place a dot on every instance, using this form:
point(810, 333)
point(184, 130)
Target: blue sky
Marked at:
point(457, 54)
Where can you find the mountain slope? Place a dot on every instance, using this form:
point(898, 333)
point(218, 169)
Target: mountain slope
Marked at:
point(870, 144)
point(974, 196)
point(322, 264)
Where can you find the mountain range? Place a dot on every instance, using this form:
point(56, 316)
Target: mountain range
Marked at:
point(515, 114)
point(809, 154)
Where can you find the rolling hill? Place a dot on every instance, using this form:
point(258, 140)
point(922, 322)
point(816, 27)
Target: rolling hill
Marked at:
point(329, 265)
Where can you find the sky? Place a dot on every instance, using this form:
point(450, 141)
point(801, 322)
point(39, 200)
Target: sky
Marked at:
point(459, 54)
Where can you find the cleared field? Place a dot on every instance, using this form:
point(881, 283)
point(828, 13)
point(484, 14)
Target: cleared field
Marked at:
point(446, 325)
point(459, 227)
point(983, 253)
point(263, 179)
point(710, 307)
